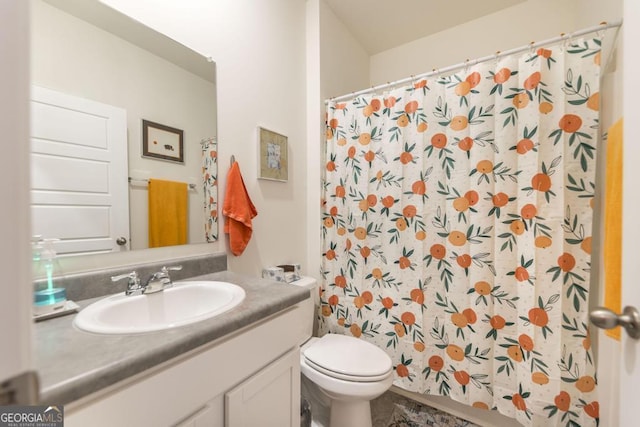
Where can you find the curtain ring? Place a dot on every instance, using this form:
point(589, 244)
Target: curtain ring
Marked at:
point(387, 89)
point(563, 39)
point(601, 33)
point(466, 66)
point(567, 40)
point(532, 47)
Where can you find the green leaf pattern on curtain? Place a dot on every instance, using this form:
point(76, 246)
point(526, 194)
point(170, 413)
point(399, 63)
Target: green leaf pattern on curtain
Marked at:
point(457, 228)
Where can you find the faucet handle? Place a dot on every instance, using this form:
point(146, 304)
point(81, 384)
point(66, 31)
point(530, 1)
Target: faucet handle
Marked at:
point(131, 276)
point(165, 272)
point(172, 268)
point(159, 280)
point(133, 283)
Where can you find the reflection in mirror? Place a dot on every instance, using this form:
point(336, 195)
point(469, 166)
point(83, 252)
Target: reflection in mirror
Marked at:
point(97, 75)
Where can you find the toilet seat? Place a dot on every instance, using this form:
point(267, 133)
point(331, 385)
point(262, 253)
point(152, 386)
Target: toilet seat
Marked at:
point(348, 358)
point(345, 377)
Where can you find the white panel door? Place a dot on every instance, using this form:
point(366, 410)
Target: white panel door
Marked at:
point(630, 358)
point(79, 176)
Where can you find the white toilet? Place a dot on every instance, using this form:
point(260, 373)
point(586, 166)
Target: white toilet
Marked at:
point(349, 371)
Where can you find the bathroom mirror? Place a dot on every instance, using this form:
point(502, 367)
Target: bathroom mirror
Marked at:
point(105, 75)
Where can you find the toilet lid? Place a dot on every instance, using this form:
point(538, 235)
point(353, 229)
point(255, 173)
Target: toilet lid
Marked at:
point(348, 358)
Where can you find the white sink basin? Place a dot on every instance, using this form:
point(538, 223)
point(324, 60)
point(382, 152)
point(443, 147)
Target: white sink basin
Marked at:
point(181, 304)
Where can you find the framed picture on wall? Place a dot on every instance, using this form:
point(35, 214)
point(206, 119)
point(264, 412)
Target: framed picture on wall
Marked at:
point(162, 142)
point(274, 158)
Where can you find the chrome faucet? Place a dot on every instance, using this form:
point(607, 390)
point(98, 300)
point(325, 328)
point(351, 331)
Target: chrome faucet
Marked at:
point(159, 280)
point(133, 283)
point(155, 283)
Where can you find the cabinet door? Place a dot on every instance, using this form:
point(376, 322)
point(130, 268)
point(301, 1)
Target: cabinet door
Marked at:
point(208, 416)
point(270, 398)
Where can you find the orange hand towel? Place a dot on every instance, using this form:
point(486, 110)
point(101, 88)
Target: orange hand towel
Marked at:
point(238, 210)
point(613, 225)
point(167, 213)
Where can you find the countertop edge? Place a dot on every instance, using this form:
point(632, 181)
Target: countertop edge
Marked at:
point(165, 345)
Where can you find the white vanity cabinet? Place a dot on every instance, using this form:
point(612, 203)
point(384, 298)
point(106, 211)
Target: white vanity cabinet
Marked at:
point(247, 378)
point(269, 398)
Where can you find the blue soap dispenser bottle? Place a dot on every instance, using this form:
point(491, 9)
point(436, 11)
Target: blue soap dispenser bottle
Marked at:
point(49, 298)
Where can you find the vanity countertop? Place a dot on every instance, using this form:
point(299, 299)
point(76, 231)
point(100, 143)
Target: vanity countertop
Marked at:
point(72, 364)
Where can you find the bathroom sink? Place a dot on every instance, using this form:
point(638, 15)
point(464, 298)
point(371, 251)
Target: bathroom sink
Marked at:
point(184, 303)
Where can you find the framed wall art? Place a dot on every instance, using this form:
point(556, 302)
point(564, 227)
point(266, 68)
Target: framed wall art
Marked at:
point(162, 142)
point(274, 158)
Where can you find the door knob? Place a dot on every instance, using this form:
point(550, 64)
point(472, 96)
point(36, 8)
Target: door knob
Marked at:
point(607, 319)
point(121, 241)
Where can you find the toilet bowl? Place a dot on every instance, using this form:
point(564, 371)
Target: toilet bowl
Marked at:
point(348, 371)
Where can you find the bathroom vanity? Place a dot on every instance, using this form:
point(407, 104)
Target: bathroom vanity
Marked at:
point(241, 368)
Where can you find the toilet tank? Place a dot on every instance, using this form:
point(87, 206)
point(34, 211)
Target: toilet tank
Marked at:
point(309, 305)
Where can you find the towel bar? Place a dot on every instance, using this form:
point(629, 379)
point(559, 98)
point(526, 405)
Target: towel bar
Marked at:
point(146, 181)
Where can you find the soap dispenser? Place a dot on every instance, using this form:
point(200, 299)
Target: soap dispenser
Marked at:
point(37, 246)
point(49, 298)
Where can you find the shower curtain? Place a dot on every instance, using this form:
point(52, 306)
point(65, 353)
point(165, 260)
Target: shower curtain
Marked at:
point(210, 188)
point(457, 227)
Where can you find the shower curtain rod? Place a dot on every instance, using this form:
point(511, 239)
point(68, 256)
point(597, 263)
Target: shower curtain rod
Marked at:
point(603, 26)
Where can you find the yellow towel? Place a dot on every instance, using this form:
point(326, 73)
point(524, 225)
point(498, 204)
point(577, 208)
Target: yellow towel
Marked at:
point(167, 213)
point(613, 225)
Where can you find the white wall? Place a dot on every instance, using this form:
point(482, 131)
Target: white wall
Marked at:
point(315, 112)
point(336, 63)
point(74, 57)
point(344, 63)
point(519, 25)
